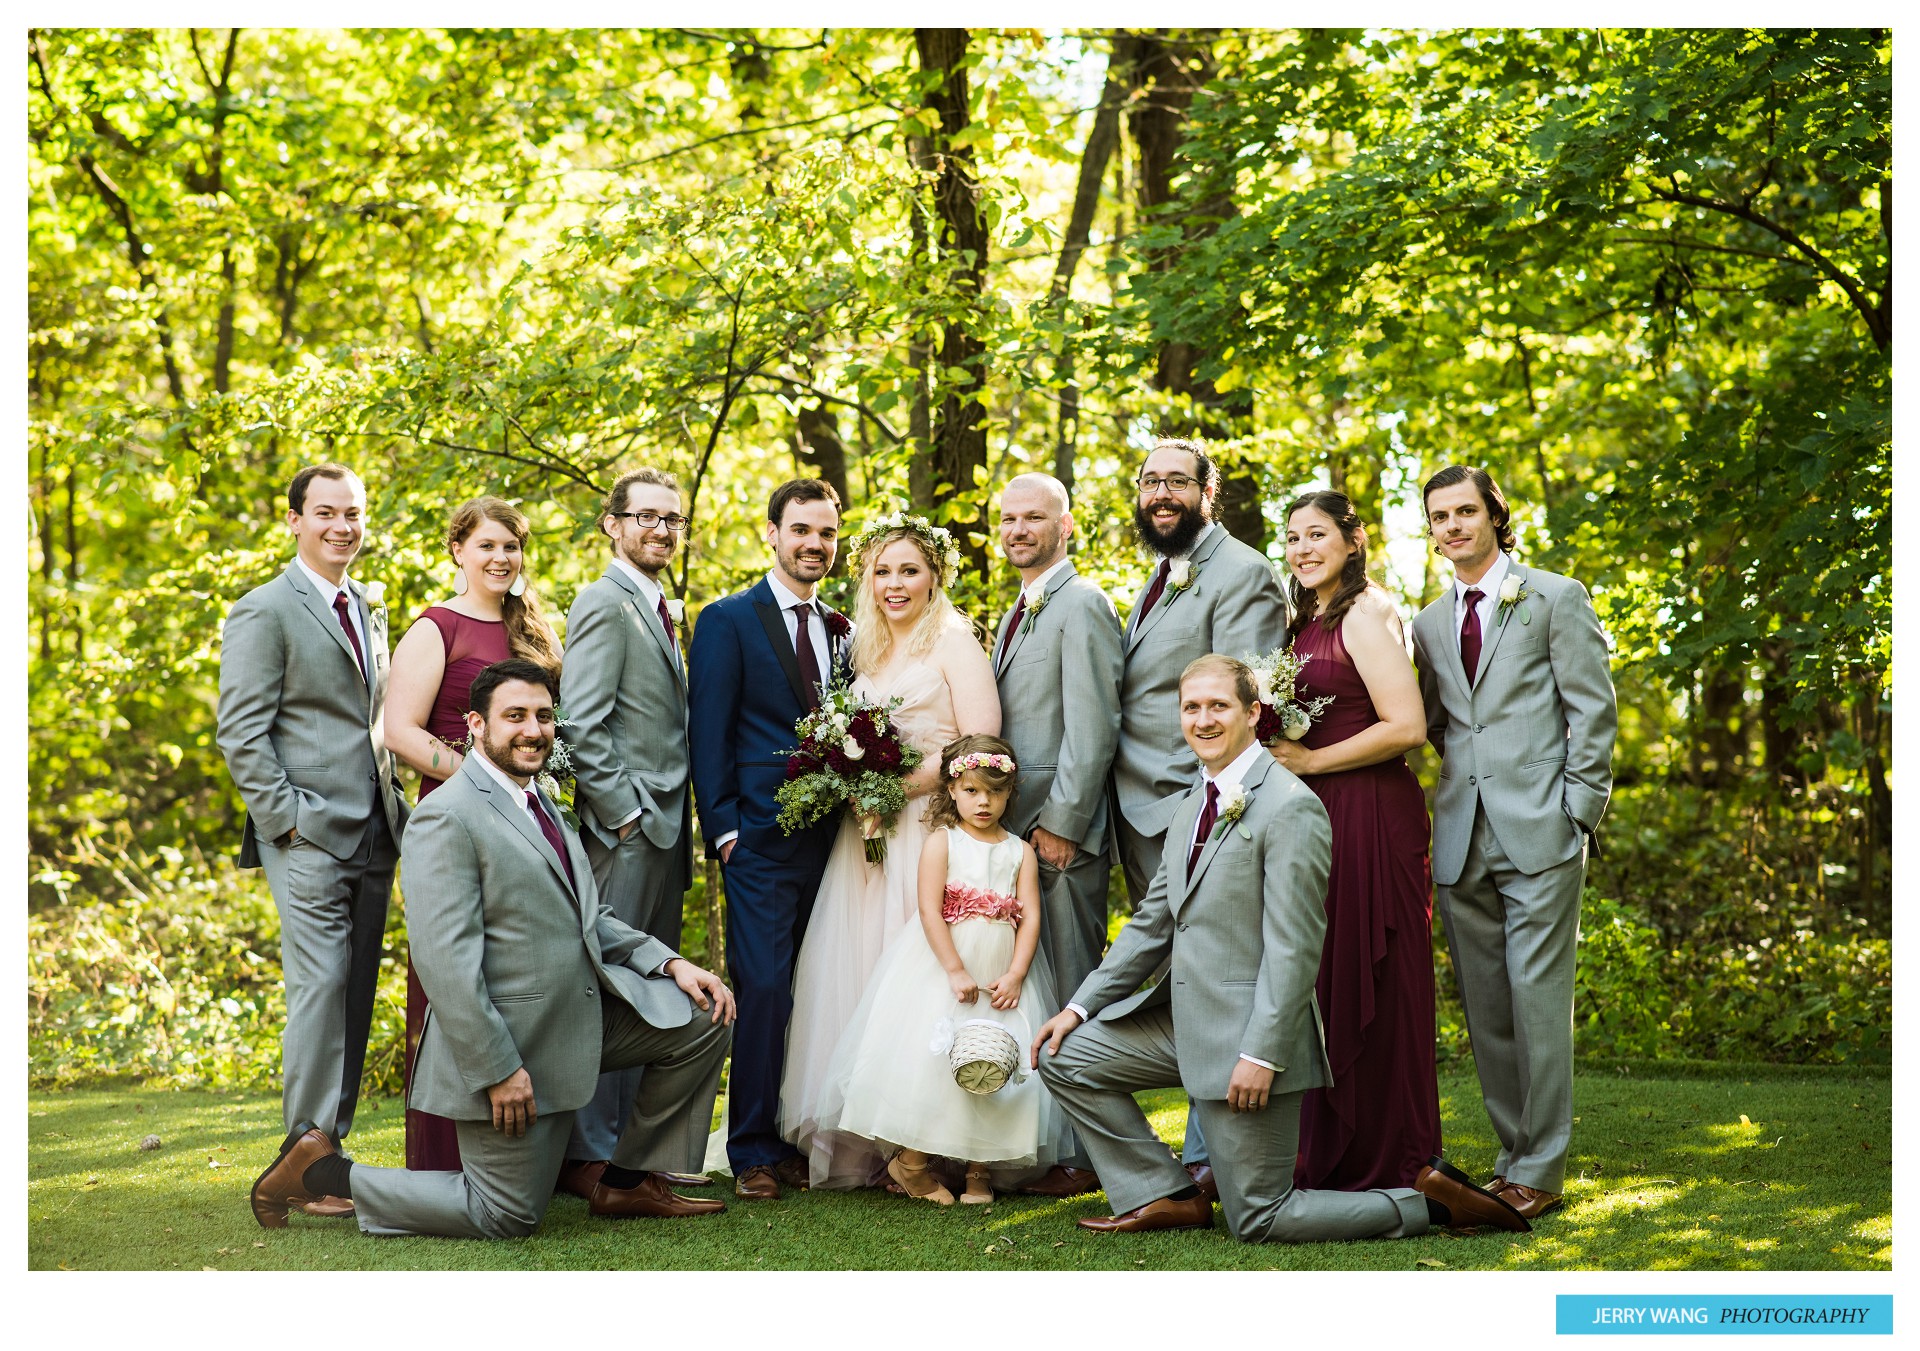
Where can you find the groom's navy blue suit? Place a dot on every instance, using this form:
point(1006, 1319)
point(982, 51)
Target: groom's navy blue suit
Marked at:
point(744, 696)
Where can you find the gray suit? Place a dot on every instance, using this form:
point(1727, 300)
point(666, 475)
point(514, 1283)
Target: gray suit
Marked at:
point(1526, 767)
point(1059, 678)
point(522, 970)
point(1241, 941)
point(1233, 606)
point(624, 689)
point(299, 725)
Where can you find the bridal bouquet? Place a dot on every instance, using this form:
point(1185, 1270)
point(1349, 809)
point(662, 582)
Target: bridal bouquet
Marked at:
point(1283, 716)
point(850, 751)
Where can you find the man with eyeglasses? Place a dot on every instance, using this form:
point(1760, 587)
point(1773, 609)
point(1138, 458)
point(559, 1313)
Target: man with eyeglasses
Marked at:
point(623, 688)
point(1209, 593)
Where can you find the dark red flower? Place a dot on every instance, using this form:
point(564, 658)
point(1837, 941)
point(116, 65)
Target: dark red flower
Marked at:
point(838, 625)
point(1270, 728)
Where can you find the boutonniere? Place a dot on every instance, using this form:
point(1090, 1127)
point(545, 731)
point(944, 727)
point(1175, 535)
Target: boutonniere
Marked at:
point(1180, 574)
point(677, 612)
point(838, 625)
point(1233, 806)
point(1035, 604)
point(1514, 594)
point(376, 594)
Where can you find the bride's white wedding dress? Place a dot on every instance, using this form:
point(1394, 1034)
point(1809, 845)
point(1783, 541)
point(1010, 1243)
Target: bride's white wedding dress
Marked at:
point(858, 910)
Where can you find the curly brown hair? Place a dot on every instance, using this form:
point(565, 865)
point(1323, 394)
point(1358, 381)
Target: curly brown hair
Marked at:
point(941, 810)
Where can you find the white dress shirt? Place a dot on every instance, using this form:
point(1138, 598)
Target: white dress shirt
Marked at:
point(1489, 588)
point(327, 592)
point(516, 789)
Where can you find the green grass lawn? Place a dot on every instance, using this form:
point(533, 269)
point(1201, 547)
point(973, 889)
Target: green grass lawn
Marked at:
point(1740, 1170)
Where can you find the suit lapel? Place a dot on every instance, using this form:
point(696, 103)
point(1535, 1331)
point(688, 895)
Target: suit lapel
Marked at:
point(1491, 643)
point(1138, 623)
point(329, 619)
point(649, 620)
point(1060, 579)
point(1448, 645)
point(768, 609)
point(1254, 777)
point(514, 809)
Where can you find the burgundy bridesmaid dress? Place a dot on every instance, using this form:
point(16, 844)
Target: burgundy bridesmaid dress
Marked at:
point(471, 645)
point(1379, 1121)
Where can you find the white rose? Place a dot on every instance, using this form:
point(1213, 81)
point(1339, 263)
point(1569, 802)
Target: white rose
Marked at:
point(678, 610)
point(1509, 589)
point(1232, 800)
point(1180, 571)
point(1263, 684)
point(376, 593)
point(1296, 727)
point(851, 749)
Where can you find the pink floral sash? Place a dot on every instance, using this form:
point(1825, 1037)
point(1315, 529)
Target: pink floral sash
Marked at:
point(964, 902)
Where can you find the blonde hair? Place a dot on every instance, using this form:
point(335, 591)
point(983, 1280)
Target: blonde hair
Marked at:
point(529, 634)
point(941, 808)
point(872, 635)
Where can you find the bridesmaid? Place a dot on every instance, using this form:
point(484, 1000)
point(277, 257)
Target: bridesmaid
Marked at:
point(492, 616)
point(1379, 1121)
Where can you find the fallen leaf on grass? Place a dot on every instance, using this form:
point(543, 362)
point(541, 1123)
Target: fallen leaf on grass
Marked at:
point(259, 1245)
point(215, 1163)
point(1433, 1262)
point(1061, 1243)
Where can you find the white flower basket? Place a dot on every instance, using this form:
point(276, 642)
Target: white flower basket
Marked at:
point(985, 1057)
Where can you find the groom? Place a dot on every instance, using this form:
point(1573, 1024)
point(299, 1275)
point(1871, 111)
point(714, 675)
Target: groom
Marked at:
point(758, 660)
point(1236, 914)
point(1520, 708)
point(303, 675)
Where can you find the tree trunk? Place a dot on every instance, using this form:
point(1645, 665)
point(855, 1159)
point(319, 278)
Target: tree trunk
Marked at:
point(818, 433)
point(959, 445)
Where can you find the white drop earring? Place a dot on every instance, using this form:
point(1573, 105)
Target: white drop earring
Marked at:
point(519, 587)
point(459, 581)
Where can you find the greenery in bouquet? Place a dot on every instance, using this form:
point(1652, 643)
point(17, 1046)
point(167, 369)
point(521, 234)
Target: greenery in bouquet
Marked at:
point(557, 779)
point(850, 752)
point(1284, 716)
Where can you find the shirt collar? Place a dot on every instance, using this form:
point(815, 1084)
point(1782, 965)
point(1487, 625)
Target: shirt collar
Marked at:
point(782, 588)
point(650, 590)
point(501, 777)
point(1237, 769)
point(1200, 538)
point(1488, 585)
point(327, 589)
point(1038, 588)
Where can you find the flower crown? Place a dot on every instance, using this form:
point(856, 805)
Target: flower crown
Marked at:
point(960, 764)
point(938, 539)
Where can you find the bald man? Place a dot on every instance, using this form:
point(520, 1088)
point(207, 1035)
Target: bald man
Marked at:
point(1058, 662)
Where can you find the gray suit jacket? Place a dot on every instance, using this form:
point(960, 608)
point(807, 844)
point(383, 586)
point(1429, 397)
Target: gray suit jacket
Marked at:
point(1243, 935)
point(624, 688)
point(299, 724)
point(1531, 739)
point(1060, 709)
point(513, 961)
point(1234, 606)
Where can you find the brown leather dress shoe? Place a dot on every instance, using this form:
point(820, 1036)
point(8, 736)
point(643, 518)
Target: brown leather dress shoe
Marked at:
point(1470, 1207)
point(1061, 1180)
point(648, 1199)
point(1529, 1201)
point(793, 1173)
point(281, 1186)
point(1195, 1212)
point(326, 1207)
point(1202, 1175)
point(580, 1178)
point(1494, 1185)
point(757, 1184)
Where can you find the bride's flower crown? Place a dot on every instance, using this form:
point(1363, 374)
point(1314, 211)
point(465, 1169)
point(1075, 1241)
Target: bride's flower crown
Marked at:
point(938, 539)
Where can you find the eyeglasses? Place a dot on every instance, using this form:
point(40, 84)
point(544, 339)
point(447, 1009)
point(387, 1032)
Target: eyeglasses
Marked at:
point(647, 520)
point(1153, 483)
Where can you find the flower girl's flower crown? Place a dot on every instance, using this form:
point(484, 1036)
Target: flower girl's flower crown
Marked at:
point(938, 539)
point(960, 764)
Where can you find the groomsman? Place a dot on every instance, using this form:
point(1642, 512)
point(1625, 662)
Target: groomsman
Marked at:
point(741, 722)
point(624, 690)
point(1236, 916)
point(1520, 708)
point(536, 991)
point(1210, 593)
point(303, 676)
point(1058, 663)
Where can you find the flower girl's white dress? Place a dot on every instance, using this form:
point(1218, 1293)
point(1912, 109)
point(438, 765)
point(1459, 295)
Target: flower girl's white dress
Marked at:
point(889, 1079)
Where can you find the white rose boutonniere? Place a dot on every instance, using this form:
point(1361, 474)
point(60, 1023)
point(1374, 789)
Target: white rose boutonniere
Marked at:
point(1514, 594)
point(677, 611)
point(1180, 575)
point(376, 595)
point(1233, 804)
point(1035, 604)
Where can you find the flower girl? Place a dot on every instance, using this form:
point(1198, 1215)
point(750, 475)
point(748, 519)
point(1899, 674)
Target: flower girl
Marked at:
point(970, 958)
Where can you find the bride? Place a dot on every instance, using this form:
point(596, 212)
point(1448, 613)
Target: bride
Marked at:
point(911, 644)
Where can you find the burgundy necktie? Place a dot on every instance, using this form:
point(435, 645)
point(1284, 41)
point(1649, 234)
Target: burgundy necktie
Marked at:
point(340, 608)
point(1470, 634)
point(666, 619)
point(1208, 814)
point(1153, 592)
point(552, 832)
point(803, 649)
point(1013, 625)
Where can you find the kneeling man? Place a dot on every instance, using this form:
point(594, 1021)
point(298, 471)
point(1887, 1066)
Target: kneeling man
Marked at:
point(535, 989)
point(1238, 907)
